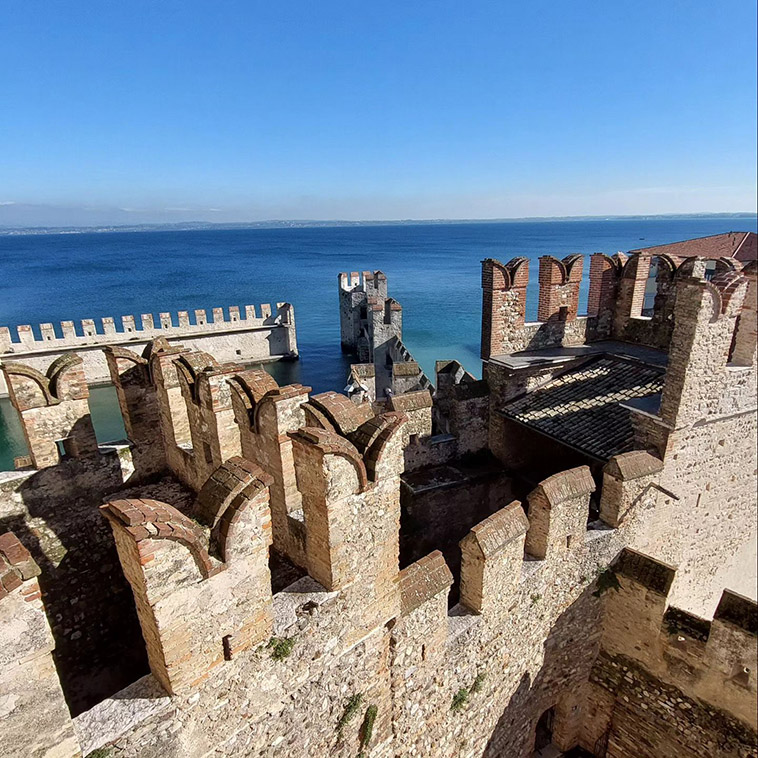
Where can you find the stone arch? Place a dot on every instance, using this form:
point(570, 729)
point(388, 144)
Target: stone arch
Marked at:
point(248, 391)
point(66, 377)
point(155, 520)
point(224, 484)
point(331, 443)
point(342, 413)
point(390, 425)
point(37, 395)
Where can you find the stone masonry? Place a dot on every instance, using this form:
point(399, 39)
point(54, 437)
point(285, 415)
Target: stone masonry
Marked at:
point(246, 336)
point(245, 583)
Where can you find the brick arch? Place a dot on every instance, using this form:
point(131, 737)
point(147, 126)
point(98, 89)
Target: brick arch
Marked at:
point(221, 535)
point(331, 443)
point(12, 369)
point(391, 424)
point(125, 354)
point(66, 377)
point(670, 264)
point(154, 520)
point(717, 304)
point(155, 346)
point(568, 269)
point(232, 477)
point(728, 283)
point(248, 390)
point(504, 276)
point(342, 413)
point(572, 267)
point(314, 417)
point(630, 266)
point(290, 390)
point(189, 366)
point(686, 268)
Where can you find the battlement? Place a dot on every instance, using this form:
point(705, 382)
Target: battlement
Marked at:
point(248, 334)
point(253, 538)
point(631, 298)
point(671, 644)
point(178, 569)
point(371, 283)
point(130, 328)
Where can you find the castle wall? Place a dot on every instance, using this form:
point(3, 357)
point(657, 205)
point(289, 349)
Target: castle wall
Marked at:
point(35, 718)
point(441, 503)
point(555, 615)
point(229, 336)
point(667, 683)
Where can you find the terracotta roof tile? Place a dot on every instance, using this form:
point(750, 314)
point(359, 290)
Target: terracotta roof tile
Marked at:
point(743, 246)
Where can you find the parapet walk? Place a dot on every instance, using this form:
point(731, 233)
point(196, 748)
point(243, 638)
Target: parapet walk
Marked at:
point(243, 335)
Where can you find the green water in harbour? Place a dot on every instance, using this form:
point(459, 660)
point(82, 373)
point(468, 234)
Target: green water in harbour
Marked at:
point(106, 418)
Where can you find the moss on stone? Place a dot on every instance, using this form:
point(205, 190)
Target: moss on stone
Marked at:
point(281, 647)
point(459, 700)
point(353, 704)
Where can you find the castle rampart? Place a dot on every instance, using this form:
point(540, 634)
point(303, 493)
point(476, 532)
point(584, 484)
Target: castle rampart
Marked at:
point(258, 564)
point(259, 336)
point(371, 327)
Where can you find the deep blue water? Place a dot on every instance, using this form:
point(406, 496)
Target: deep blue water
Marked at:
point(433, 270)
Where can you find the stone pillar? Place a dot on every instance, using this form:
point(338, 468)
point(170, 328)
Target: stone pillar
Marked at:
point(705, 319)
point(265, 413)
point(604, 272)
point(558, 512)
point(202, 594)
point(503, 304)
point(491, 557)
point(138, 401)
point(628, 481)
point(559, 287)
point(346, 496)
point(35, 717)
point(631, 292)
point(53, 408)
point(172, 408)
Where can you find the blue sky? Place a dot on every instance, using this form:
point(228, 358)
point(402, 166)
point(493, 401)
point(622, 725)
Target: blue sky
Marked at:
point(151, 111)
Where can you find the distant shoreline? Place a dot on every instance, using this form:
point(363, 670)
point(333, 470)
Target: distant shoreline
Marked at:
point(14, 231)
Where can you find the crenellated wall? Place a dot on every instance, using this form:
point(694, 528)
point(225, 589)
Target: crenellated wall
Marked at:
point(231, 334)
point(588, 605)
point(617, 290)
point(667, 683)
point(371, 327)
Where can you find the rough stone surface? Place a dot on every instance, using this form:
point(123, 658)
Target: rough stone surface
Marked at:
point(601, 604)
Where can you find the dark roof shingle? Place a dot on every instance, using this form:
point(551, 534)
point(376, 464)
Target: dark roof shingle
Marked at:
point(581, 408)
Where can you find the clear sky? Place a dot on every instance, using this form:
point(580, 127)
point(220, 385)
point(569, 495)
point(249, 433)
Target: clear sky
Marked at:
point(153, 110)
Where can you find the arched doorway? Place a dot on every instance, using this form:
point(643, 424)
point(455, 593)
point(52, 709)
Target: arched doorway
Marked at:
point(544, 732)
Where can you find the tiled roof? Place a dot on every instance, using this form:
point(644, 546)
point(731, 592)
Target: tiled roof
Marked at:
point(581, 407)
point(739, 245)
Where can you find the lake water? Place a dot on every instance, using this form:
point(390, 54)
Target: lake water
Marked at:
point(433, 270)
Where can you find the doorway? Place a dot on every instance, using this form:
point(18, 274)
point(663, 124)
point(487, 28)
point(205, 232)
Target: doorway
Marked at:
point(544, 732)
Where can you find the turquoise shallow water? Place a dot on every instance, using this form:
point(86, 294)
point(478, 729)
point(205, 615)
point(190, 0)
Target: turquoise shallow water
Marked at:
point(433, 270)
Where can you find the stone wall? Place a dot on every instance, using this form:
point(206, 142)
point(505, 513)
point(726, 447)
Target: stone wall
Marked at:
point(558, 611)
point(229, 335)
point(667, 683)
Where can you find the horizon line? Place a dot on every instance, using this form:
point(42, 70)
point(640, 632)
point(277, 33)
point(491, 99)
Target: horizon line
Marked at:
point(40, 229)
